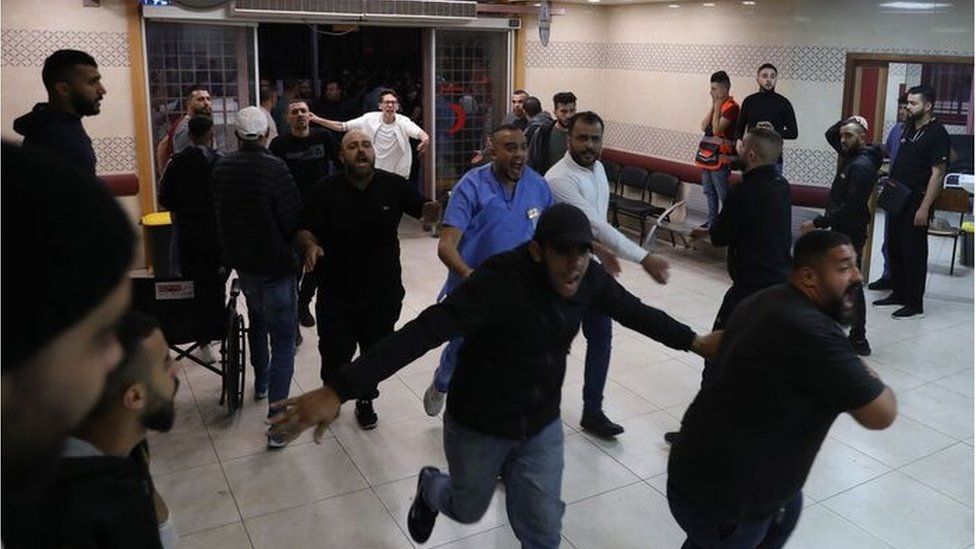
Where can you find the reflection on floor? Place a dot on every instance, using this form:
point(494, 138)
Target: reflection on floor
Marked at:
point(910, 486)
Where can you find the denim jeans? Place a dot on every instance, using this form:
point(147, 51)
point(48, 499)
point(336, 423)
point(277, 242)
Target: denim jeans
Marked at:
point(598, 331)
point(271, 311)
point(704, 533)
point(715, 185)
point(532, 471)
point(445, 369)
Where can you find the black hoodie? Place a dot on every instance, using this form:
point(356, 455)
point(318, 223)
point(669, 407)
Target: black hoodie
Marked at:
point(60, 132)
point(847, 208)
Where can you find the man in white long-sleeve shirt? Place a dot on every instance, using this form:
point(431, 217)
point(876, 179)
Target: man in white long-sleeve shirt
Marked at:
point(579, 179)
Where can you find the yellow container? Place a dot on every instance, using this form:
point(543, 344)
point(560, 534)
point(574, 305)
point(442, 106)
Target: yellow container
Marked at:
point(157, 219)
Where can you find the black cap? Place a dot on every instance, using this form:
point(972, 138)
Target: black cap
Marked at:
point(564, 226)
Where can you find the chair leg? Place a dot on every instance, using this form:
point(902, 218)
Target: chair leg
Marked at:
point(641, 239)
point(952, 262)
point(673, 244)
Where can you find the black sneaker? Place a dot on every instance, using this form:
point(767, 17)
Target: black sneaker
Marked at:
point(298, 338)
point(861, 346)
point(365, 414)
point(671, 437)
point(908, 313)
point(600, 425)
point(880, 284)
point(305, 317)
point(420, 517)
point(890, 300)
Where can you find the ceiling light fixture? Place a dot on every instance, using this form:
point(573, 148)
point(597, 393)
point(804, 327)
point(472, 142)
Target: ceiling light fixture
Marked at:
point(709, 4)
point(673, 6)
point(914, 6)
point(748, 3)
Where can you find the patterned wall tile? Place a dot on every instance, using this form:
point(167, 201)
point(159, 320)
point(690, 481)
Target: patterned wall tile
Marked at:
point(115, 154)
point(806, 166)
point(29, 47)
point(805, 63)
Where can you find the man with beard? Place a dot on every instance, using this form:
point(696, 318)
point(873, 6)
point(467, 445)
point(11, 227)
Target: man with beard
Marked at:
point(579, 179)
point(920, 166)
point(349, 240)
point(103, 495)
point(59, 342)
point(783, 373)
point(492, 209)
point(756, 225)
point(847, 209)
point(310, 154)
point(518, 313)
point(767, 109)
point(892, 143)
point(198, 103)
point(548, 143)
point(74, 90)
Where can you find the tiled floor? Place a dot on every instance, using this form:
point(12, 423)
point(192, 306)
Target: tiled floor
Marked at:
point(910, 486)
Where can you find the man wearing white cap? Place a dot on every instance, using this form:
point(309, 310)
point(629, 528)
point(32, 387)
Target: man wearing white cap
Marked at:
point(258, 207)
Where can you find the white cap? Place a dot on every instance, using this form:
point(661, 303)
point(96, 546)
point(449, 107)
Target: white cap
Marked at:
point(860, 121)
point(251, 124)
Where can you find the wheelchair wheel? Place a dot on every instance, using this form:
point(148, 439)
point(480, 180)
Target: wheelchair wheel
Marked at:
point(233, 371)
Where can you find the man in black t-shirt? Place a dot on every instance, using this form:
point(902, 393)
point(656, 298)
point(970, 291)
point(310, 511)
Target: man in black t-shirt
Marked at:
point(783, 373)
point(311, 155)
point(920, 165)
point(349, 239)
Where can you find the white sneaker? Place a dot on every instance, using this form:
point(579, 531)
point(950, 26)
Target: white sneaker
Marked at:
point(433, 400)
point(206, 353)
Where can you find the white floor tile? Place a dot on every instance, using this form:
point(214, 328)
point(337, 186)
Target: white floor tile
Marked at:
point(353, 520)
point(905, 513)
point(618, 403)
point(392, 451)
point(500, 537)
point(231, 536)
point(198, 498)
point(641, 448)
point(949, 471)
point(663, 384)
point(941, 409)
point(839, 467)
point(631, 517)
point(820, 528)
point(589, 471)
point(904, 442)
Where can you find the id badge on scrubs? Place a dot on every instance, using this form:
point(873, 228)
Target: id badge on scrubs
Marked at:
point(533, 215)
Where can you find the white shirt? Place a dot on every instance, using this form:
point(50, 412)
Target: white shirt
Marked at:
point(392, 159)
point(589, 190)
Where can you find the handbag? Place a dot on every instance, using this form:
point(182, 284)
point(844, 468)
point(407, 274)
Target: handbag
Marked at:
point(894, 196)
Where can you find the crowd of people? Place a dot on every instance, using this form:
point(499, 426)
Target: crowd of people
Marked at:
point(313, 213)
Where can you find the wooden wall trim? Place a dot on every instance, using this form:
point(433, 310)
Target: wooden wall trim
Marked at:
point(518, 76)
point(140, 109)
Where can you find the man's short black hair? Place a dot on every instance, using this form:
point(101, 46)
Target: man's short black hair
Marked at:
point(388, 91)
point(927, 93)
point(198, 126)
point(505, 128)
point(564, 98)
point(767, 66)
point(532, 106)
point(265, 93)
point(196, 87)
point(811, 248)
point(721, 77)
point(586, 117)
point(520, 92)
point(767, 143)
point(133, 329)
point(59, 65)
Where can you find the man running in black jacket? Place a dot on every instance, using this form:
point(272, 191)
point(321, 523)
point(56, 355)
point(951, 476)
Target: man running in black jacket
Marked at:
point(518, 312)
point(847, 209)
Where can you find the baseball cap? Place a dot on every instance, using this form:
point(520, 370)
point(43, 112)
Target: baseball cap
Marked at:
point(251, 124)
point(563, 226)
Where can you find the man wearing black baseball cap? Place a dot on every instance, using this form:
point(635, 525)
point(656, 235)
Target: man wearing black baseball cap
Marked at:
point(518, 313)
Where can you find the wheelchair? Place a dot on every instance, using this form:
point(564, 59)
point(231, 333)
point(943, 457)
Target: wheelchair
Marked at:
point(191, 311)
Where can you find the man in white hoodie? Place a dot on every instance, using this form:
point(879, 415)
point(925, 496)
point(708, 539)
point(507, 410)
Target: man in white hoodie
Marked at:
point(580, 180)
point(389, 132)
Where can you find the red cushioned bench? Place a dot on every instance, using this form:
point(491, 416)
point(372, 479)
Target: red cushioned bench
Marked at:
point(121, 184)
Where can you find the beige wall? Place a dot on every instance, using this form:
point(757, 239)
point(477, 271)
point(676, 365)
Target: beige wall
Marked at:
point(648, 74)
point(31, 31)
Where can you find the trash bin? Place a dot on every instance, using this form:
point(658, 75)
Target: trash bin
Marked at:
point(158, 231)
point(966, 254)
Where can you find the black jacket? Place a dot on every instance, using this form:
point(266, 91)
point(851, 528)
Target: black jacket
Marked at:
point(101, 502)
point(539, 147)
point(847, 208)
point(58, 132)
point(517, 332)
point(756, 224)
point(767, 106)
point(185, 191)
point(258, 209)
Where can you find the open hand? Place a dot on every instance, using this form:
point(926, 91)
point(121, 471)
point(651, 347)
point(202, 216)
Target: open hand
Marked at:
point(422, 146)
point(921, 217)
point(431, 213)
point(312, 255)
point(319, 408)
point(806, 227)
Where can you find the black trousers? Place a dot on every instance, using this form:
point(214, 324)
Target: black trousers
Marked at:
point(735, 295)
point(343, 324)
point(908, 253)
point(306, 288)
point(858, 330)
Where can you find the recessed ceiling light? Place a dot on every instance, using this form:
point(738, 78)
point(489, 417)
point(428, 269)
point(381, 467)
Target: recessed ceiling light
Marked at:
point(673, 6)
point(593, 1)
point(748, 3)
point(914, 5)
point(709, 4)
